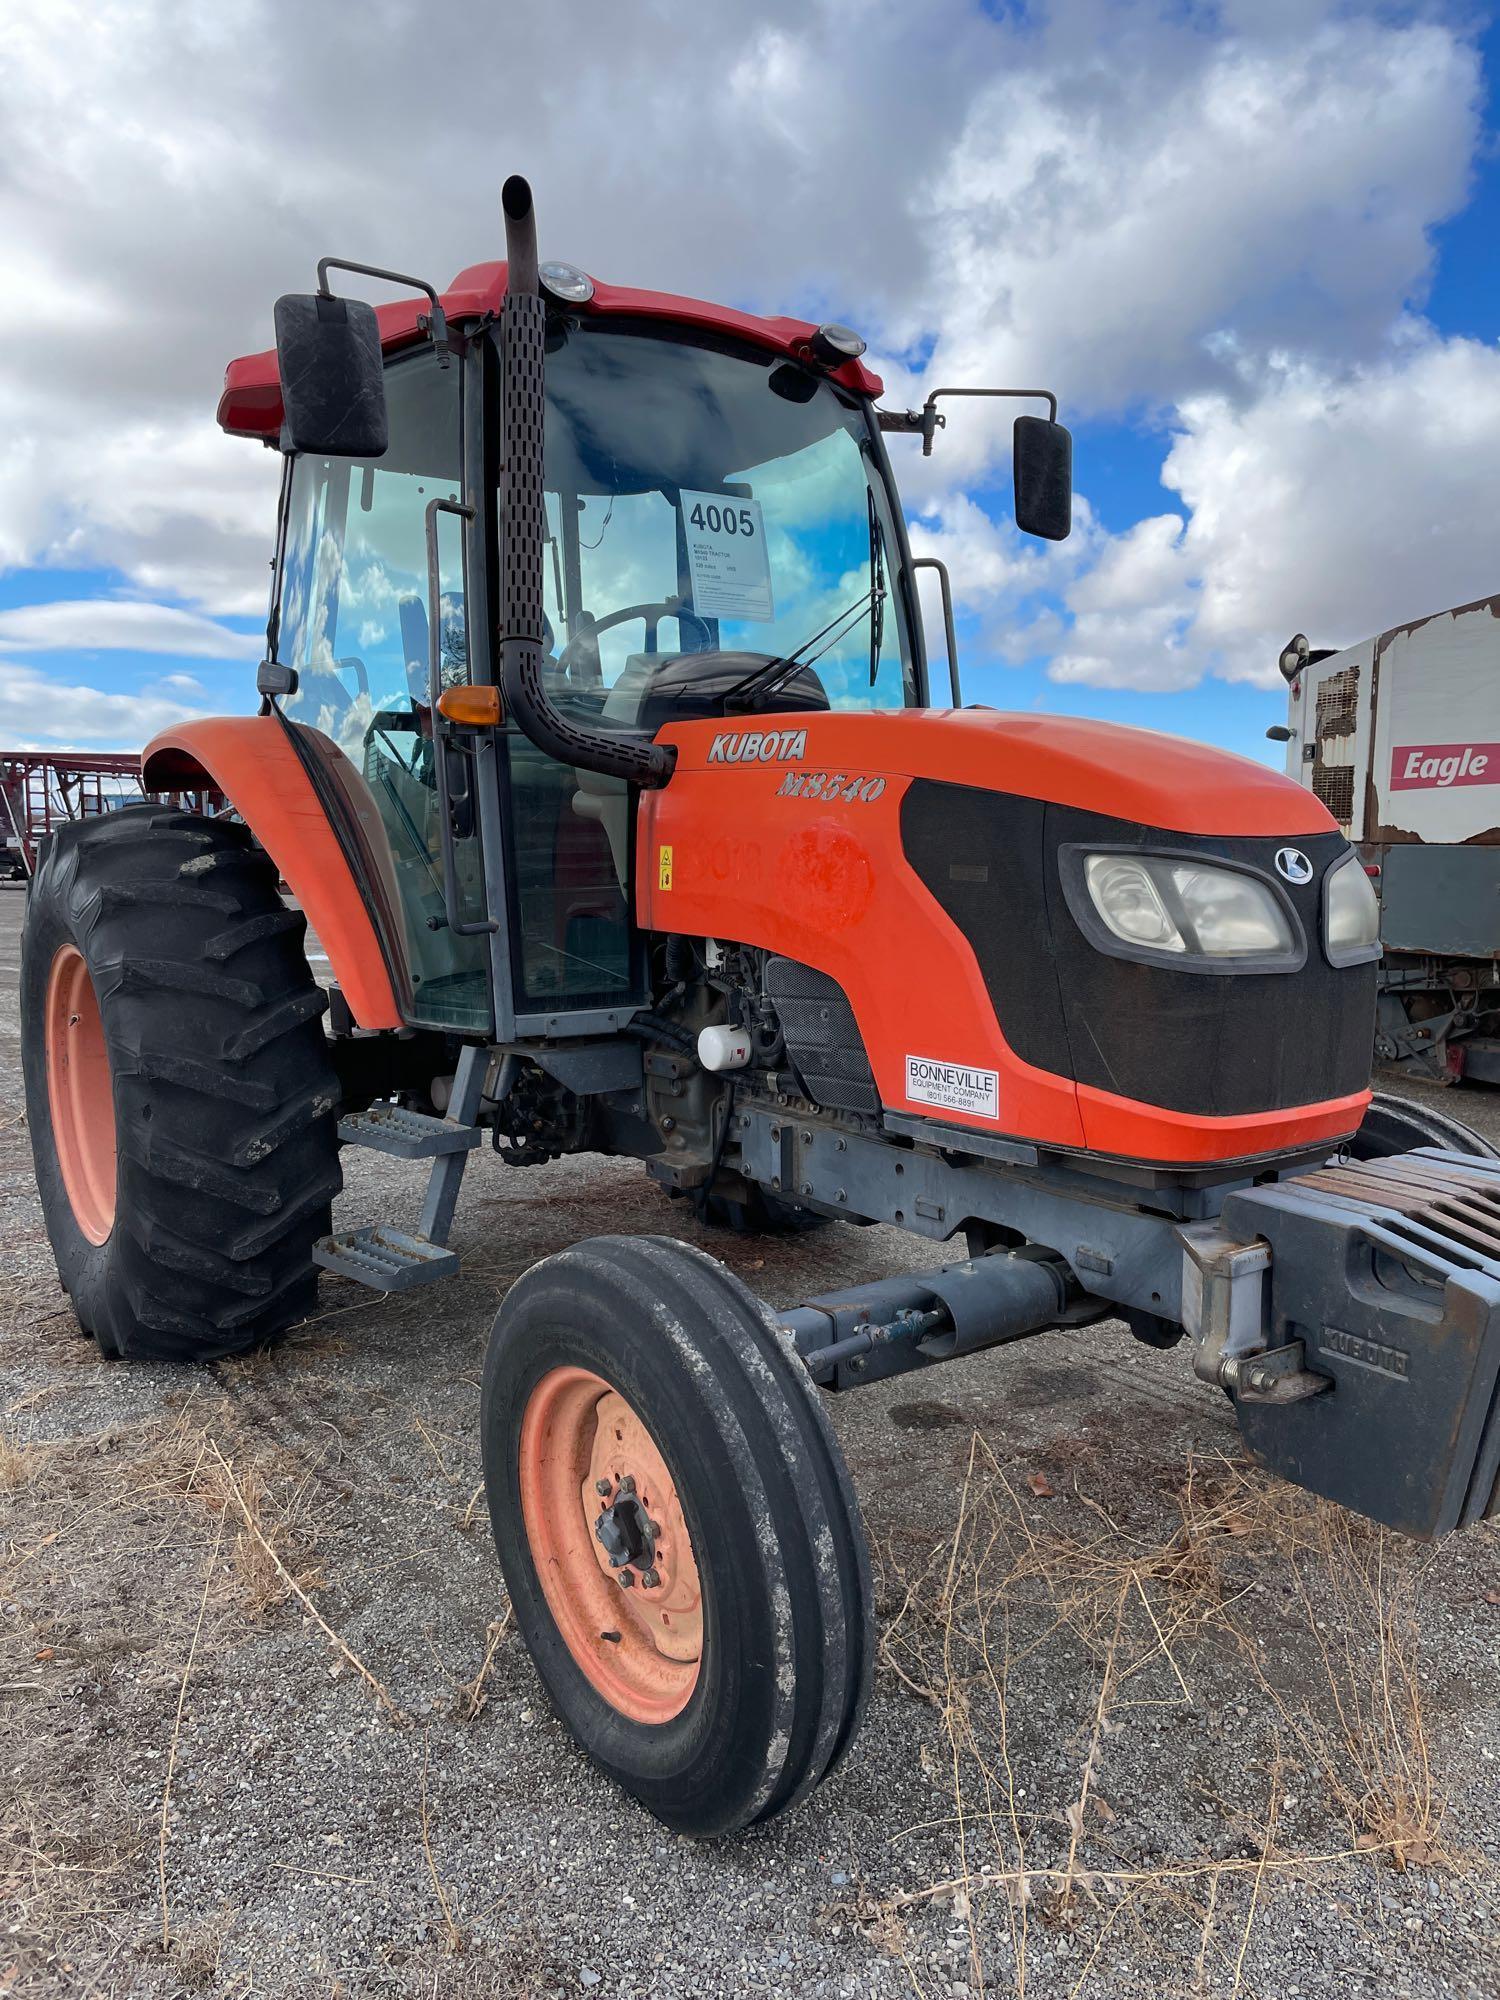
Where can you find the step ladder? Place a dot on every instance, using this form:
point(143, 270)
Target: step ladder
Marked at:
point(388, 1259)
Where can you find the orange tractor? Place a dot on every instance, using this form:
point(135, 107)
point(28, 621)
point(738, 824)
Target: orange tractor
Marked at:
point(597, 745)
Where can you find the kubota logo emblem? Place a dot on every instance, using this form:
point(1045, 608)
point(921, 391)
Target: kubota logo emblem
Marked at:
point(756, 746)
point(1293, 864)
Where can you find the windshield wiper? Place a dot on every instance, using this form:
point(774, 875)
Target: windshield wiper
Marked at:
point(765, 680)
point(877, 584)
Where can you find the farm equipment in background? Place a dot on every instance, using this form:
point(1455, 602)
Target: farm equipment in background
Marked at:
point(1399, 737)
point(41, 790)
point(1092, 1004)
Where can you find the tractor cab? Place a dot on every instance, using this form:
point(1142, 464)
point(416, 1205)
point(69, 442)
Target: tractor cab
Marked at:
point(720, 538)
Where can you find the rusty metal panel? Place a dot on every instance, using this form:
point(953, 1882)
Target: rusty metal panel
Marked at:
point(1329, 714)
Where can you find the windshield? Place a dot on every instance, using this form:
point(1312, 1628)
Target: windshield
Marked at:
point(707, 502)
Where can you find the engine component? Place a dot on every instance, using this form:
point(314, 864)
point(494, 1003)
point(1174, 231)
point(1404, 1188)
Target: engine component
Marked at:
point(724, 1048)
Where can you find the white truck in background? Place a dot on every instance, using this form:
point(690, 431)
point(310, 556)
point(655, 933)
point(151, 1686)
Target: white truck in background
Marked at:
point(1399, 736)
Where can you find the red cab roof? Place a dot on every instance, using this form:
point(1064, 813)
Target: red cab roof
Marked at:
point(251, 403)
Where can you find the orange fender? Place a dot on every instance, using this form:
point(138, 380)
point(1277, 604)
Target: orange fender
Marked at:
point(252, 761)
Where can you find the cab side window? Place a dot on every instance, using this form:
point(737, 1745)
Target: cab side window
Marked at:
point(354, 622)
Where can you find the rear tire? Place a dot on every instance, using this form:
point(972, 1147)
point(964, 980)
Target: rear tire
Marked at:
point(659, 1331)
point(1398, 1125)
point(178, 1086)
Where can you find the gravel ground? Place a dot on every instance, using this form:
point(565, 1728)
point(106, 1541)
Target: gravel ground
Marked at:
point(1144, 1723)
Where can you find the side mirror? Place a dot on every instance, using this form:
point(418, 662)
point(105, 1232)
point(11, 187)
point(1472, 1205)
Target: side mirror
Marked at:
point(332, 377)
point(1043, 457)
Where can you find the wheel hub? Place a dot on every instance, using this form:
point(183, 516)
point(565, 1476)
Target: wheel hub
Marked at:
point(611, 1545)
point(626, 1532)
point(642, 1521)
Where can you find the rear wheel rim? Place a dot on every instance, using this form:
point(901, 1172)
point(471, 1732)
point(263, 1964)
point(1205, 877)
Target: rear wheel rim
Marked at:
point(640, 1647)
point(79, 1094)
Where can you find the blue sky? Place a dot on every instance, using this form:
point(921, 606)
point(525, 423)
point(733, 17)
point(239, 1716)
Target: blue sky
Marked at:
point(1249, 242)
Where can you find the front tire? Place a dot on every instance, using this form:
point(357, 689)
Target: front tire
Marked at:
point(178, 1086)
point(721, 1693)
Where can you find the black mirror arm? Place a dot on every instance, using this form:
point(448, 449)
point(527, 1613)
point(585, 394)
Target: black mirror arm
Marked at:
point(929, 421)
point(437, 320)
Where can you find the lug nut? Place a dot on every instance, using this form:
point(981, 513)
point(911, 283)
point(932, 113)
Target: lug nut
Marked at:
point(650, 1580)
point(627, 1579)
point(627, 1484)
point(603, 1488)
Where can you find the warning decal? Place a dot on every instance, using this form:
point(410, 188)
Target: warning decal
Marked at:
point(953, 1086)
point(664, 868)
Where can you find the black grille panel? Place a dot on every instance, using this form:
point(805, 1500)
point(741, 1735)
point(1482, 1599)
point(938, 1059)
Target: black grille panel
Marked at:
point(1219, 1045)
point(822, 1037)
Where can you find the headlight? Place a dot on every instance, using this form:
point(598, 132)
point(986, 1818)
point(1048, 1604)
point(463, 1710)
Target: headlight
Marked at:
point(1181, 908)
point(1232, 915)
point(1351, 915)
point(1129, 901)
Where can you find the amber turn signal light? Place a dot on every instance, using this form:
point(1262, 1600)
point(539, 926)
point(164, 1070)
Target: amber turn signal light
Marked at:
point(473, 707)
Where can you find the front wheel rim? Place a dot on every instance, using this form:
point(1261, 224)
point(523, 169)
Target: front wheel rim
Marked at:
point(639, 1646)
point(79, 1094)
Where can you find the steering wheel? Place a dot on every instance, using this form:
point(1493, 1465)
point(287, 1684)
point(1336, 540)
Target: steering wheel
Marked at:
point(582, 650)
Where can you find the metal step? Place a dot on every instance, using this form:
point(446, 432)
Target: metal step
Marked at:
point(385, 1259)
point(408, 1135)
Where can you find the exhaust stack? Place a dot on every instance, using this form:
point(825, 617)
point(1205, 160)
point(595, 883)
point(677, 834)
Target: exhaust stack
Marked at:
point(616, 753)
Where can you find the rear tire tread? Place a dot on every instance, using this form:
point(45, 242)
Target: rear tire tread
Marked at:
point(225, 1098)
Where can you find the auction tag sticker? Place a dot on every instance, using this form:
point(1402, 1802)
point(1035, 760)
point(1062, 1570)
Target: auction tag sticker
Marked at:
point(727, 557)
point(953, 1086)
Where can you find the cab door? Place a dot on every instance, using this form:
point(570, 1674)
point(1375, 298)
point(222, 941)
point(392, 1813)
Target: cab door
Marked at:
point(355, 621)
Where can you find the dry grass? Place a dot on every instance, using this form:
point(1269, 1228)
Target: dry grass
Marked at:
point(272, 1554)
point(1126, 1620)
point(165, 1484)
point(20, 1464)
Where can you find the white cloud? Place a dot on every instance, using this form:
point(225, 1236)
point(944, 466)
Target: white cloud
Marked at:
point(39, 712)
point(1131, 612)
point(1085, 191)
point(1131, 200)
point(1106, 218)
point(112, 624)
point(1338, 503)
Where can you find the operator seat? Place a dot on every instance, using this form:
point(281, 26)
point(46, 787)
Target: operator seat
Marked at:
point(607, 800)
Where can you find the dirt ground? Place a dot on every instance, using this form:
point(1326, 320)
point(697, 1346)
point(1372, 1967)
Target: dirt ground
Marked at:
point(1144, 1722)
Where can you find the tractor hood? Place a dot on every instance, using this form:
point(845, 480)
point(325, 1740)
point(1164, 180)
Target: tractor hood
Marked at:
point(1128, 774)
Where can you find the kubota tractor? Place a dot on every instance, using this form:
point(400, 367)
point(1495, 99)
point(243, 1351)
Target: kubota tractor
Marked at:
point(597, 746)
